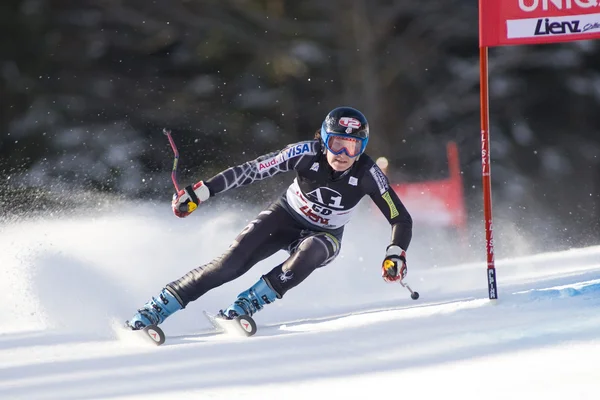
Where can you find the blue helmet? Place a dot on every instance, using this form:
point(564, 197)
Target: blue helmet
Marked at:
point(345, 129)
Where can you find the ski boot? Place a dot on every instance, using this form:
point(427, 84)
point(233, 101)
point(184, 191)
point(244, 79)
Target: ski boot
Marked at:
point(250, 301)
point(155, 311)
point(237, 318)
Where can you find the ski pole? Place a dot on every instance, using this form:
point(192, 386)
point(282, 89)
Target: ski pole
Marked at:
point(413, 295)
point(388, 264)
point(190, 205)
point(175, 161)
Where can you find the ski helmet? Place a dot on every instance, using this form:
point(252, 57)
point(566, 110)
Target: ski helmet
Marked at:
point(345, 129)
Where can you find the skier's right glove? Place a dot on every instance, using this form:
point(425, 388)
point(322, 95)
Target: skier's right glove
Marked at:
point(188, 199)
point(394, 264)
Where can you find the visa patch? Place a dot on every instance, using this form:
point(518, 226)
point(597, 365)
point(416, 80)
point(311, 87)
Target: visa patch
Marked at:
point(284, 155)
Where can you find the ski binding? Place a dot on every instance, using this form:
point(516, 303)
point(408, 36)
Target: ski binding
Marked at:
point(242, 325)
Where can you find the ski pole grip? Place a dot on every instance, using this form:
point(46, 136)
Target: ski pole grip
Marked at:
point(388, 264)
point(187, 207)
point(192, 203)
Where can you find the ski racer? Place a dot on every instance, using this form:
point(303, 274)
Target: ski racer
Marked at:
point(332, 175)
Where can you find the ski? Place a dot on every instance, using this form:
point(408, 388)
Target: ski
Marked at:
point(240, 326)
point(155, 334)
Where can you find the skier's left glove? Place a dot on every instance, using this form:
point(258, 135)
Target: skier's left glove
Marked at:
point(188, 199)
point(394, 264)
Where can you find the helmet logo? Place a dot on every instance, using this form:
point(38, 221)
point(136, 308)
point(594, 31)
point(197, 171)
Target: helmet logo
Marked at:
point(350, 123)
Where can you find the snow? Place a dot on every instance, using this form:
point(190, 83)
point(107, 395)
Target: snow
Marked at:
point(67, 283)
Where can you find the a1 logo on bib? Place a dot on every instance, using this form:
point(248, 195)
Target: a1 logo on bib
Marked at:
point(327, 197)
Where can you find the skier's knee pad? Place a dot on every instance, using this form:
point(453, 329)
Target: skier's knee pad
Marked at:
point(321, 246)
point(313, 252)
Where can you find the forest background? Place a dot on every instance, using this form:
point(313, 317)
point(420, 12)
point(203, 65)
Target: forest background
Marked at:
point(87, 86)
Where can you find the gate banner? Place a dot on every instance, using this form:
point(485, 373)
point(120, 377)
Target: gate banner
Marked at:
point(513, 22)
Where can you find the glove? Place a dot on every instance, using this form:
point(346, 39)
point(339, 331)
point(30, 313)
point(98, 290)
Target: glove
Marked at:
point(188, 199)
point(394, 264)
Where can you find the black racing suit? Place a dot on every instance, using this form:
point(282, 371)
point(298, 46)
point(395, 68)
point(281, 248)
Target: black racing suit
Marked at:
point(307, 221)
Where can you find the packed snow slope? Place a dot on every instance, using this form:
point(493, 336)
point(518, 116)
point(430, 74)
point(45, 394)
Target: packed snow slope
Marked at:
point(66, 284)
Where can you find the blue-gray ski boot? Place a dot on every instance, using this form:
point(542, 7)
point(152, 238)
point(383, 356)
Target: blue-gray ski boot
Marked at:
point(155, 311)
point(250, 301)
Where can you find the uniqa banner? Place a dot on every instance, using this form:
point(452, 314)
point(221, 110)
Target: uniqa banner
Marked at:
point(512, 22)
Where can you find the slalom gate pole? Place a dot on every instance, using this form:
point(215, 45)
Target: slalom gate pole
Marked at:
point(486, 173)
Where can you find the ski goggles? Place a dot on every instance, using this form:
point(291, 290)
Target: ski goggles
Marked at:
point(338, 144)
